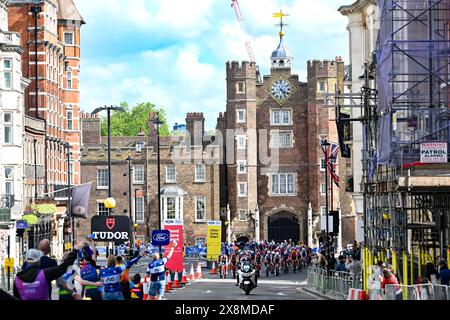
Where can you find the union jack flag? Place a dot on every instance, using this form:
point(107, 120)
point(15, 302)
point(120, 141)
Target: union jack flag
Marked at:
point(332, 154)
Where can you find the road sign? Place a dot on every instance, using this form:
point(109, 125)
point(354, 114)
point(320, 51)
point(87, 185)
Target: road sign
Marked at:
point(21, 225)
point(68, 246)
point(160, 237)
point(9, 263)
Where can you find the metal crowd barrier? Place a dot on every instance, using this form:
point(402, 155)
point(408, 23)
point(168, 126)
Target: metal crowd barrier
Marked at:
point(4, 278)
point(337, 285)
point(416, 292)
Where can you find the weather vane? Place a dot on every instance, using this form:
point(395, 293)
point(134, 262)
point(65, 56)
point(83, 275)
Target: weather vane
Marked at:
point(280, 15)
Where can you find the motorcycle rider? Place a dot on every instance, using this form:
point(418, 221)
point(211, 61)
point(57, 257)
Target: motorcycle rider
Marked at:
point(246, 260)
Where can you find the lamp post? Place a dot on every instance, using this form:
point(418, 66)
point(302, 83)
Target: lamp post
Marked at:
point(324, 145)
point(130, 170)
point(108, 110)
point(157, 122)
point(35, 11)
point(67, 146)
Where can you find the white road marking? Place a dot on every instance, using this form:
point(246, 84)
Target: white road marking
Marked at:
point(280, 282)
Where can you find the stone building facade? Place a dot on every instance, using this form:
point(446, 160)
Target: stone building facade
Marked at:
point(273, 168)
point(189, 177)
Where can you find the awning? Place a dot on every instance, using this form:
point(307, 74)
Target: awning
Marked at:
point(173, 191)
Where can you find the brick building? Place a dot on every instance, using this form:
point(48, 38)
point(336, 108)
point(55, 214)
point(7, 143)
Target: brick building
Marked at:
point(189, 177)
point(274, 168)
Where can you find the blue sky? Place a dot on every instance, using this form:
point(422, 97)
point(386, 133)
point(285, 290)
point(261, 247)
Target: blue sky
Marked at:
point(173, 52)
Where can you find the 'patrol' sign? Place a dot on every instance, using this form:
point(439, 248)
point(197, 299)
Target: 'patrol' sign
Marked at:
point(160, 237)
point(111, 228)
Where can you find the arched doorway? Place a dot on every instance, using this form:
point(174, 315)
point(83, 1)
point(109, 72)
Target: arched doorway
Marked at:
point(284, 226)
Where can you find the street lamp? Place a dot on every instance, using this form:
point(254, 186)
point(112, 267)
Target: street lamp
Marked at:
point(108, 110)
point(324, 144)
point(157, 123)
point(69, 154)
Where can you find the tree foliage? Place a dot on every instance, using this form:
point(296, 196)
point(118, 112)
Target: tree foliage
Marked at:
point(133, 120)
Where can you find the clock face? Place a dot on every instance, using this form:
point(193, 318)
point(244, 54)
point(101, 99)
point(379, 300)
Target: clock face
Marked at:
point(281, 89)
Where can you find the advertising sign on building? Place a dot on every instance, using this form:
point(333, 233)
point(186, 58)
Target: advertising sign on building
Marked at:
point(214, 239)
point(111, 229)
point(160, 237)
point(433, 152)
point(175, 227)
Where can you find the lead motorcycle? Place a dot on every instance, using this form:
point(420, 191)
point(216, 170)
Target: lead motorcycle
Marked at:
point(247, 278)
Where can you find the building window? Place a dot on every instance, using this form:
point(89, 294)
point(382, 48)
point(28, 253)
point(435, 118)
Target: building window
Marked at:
point(69, 120)
point(7, 128)
point(138, 174)
point(242, 167)
point(240, 116)
point(323, 165)
point(240, 87)
point(69, 80)
point(69, 38)
point(242, 215)
point(200, 211)
point(101, 209)
point(281, 117)
point(9, 180)
point(172, 207)
point(7, 73)
point(242, 189)
point(322, 86)
point(283, 184)
point(241, 142)
point(323, 211)
point(199, 173)
point(139, 210)
point(171, 174)
point(282, 139)
point(323, 189)
point(102, 178)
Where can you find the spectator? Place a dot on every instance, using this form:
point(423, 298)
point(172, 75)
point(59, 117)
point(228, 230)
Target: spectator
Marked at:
point(355, 267)
point(431, 274)
point(341, 264)
point(444, 273)
point(389, 278)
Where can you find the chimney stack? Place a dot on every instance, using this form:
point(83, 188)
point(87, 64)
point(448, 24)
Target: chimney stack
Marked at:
point(195, 126)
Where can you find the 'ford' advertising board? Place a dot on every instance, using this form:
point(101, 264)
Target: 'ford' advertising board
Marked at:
point(160, 237)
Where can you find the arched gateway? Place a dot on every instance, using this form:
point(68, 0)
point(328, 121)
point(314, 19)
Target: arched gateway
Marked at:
point(284, 226)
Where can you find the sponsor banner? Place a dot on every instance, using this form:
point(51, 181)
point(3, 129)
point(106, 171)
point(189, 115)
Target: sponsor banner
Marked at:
point(214, 239)
point(433, 152)
point(160, 237)
point(116, 229)
point(175, 228)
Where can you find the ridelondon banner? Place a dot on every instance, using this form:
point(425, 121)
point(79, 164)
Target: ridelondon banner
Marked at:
point(214, 239)
point(175, 227)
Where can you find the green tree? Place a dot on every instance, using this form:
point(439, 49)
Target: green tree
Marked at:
point(133, 120)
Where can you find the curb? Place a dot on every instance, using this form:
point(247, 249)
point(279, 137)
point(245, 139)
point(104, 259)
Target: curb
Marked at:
point(313, 292)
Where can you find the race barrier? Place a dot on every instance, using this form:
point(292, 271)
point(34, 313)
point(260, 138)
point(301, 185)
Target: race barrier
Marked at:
point(357, 294)
point(4, 278)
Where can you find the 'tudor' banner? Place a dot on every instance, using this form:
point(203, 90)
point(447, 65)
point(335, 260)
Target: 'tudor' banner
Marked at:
point(175, 227)
point(214, 239)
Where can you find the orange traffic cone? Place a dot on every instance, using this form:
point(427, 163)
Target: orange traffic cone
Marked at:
point(183, 276)
point(169, 280)
point(198, 273)
point(176, 282)
point(191, 275)
point(146, 288)
point(214, 270)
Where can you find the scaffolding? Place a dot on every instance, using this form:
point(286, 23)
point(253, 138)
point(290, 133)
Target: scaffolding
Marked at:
point(404, 103)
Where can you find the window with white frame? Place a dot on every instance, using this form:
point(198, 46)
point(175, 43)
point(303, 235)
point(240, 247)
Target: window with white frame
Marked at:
point(240, 116)
point(323, 189)
point(281, 139)
point(241, 167)
point(242, 189)
point(69, 80)
point(172, 207)
point(171, 174)
point(138, 174)
point(200, 208)
point(242, 215)
point(7, 128)
point(323, 211)
point(7, 73)
point(283, 184)
point(9, 180)
point(280, 117)
point(102, 178)
point(101, 209)
point(139, 209)
point(323, 165)
point(200, 173)
point(241, 142)
point(240, 87)
point(69, 120)
point(69, 38)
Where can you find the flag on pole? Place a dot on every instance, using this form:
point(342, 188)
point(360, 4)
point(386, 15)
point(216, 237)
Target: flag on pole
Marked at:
point(80, 200)
point(332, 153)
